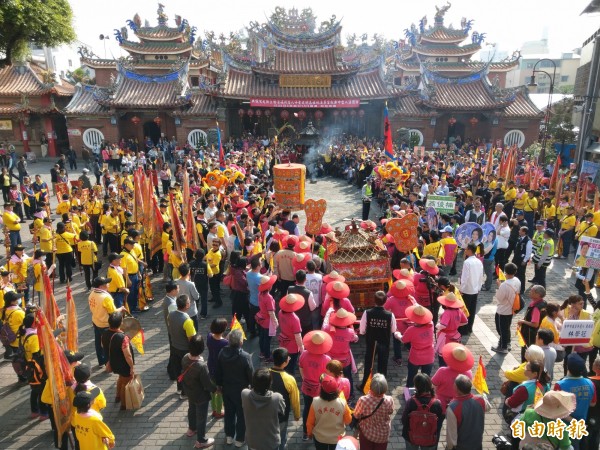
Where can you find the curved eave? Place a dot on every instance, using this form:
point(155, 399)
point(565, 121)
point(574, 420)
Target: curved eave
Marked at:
point(99, 63)
point(157, 49)
point(268, 71)
point(458, 51)
point(488, 107)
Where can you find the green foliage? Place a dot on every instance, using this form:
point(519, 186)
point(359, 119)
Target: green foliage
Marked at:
point(560, 128)
point(42, 22)
point(80, 75)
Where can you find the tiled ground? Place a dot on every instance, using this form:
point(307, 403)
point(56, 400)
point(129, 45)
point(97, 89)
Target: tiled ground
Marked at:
point(161, 422)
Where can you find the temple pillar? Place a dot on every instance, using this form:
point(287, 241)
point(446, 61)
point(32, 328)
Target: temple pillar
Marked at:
point(50, 135)
point(23, 122)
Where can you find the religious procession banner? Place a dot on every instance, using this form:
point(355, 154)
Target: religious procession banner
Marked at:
point(404, 232)
point(61, 189)
point(588, 253)
point(441, 203)
point(314, 210)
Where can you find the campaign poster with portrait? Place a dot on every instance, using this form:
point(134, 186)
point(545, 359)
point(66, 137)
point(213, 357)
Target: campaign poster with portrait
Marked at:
point(588, 253)
point(467, 233)
point(489, 234)
point(432, 218)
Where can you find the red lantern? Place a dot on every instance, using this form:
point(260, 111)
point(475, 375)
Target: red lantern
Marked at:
point(250, 113)
point(258, 112)
point(135, 120)
point(318, 115)
point(267, 112)
point(241, 112)
point(452, 121)
point(361, 113)
point(301, 115)
point(157, 120)
point(285, 115)
point(474, 121)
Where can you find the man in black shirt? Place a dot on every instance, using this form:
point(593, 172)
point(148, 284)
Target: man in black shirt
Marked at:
point(120, 354)
point(378, 325)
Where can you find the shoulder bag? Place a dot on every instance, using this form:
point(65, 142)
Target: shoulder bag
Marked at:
point(355, 423)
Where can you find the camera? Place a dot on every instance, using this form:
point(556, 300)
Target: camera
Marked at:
point(501, 443)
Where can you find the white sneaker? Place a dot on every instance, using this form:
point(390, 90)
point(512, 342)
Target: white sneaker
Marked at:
point(229, 440)
point(239, 444)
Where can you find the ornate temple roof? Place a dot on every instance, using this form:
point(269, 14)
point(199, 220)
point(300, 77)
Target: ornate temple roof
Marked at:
point(202, 105)
point(522, 106)
point(460, 66)
point(440, 33)
point(84, 102)
point(364, 85)
point(26, 79)
point(311, 62)
point(168, 48)
point(446, 49)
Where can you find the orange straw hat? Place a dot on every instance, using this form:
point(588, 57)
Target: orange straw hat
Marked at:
point(450, 301)
point(402, 288)
point(402, 274)
point(265, 282)
point(342, 318)
point(303, 246)
point(338, 290)
point(317, 342)
point(429, 266)
point(333, 276)
point(419, 314)
point(458, 357)
point(291, 303)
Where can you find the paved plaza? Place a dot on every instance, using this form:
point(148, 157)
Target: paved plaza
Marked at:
point(162, 421)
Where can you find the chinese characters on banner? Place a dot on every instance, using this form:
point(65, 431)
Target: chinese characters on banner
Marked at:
point(556, 429)
point(588, 253)
point(304, 102)
point(576, 332)
point(441, 203)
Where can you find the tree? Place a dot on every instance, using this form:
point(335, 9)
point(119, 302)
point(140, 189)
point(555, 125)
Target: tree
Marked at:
point(560, 127)
point(42, 22)
point(80, 75)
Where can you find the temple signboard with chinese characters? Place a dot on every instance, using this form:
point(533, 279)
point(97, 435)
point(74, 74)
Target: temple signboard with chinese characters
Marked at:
point(305, 81)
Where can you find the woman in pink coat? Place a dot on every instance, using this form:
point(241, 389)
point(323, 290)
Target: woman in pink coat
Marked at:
point(341, 330)
point(420, 337)
point(265, 317)
point(336, 298)
point(290, 330)
point(447, 327)
point(399, 298)
point(460, 362)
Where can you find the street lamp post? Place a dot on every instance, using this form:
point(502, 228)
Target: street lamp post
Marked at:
point(542, 157)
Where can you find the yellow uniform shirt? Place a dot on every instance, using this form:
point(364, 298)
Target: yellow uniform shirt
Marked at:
point(64, 242)
point(549, 212)
point(45, 237)
point(99, 402)
point(213, 259)
point(117, 280)
point(129, 263)
point(568, 223)
point(493, 185)
point(101, 305)
point(14, 317)
point(90, 430)
point(63, 208)
point(31, 345)
point(72, 227)
point(530, 204)
point(11, 221)
point(586, 229)
point(435, 249)
point(18, 267)
point(75, 219)
point(110, 224)
point(188, 326)
point(510, 194)
point(94, 207)
point(87, 250)
point(37, 226)
point(39, 281)
point(165, 240)
point(138, 251)
point(597, 218)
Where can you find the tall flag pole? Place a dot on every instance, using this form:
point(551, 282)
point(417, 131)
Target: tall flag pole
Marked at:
point(387, 134)
point(221, 152)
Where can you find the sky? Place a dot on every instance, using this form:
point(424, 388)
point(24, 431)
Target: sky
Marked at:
point(507, 23)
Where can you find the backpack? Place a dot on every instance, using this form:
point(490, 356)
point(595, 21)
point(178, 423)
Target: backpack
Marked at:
point(24, 368)
point(7, 335)
point(423, 425)
point(31, 279)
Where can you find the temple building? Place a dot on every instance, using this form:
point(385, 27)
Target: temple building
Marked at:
point(31, 100)
point(449, 95)
point(277, 77)
point(156, 92)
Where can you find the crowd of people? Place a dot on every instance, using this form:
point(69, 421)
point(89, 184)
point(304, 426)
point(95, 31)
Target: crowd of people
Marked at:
point(281, 284)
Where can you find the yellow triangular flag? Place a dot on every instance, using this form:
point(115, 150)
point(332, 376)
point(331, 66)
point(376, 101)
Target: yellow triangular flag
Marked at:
point(367, 387)
point(520, 336)
point(501, 275)
point(236, 325)
point(138, 342)
point(479, 382)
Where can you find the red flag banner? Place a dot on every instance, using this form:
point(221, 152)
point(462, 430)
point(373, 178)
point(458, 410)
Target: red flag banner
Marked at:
point(157, 228)
point(178, 237)
point(72, 330)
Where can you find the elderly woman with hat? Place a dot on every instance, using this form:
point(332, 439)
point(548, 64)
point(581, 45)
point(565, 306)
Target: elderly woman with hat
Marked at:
point(328, 416)
point(459, 360)
point(290, 334)
point(399, 298)
point(553, 406)
point(313, 362)
point(374, 411)
point(420, 337)
point(341, 330)
point(265, 318)
point(452, 318)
